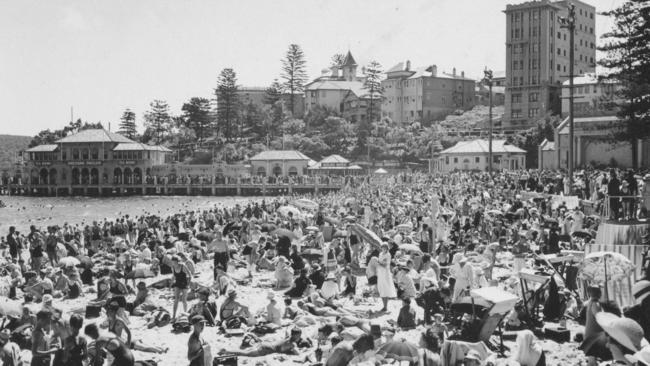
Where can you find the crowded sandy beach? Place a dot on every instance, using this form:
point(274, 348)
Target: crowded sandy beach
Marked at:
point(463, 269)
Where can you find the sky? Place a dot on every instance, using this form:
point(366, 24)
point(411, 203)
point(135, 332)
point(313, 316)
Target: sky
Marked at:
point(98, 58)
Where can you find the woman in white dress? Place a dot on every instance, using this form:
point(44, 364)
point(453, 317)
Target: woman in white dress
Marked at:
point(385, 285)
point(464, 275)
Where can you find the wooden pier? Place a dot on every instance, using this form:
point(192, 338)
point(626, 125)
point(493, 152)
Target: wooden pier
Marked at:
point(178, 189)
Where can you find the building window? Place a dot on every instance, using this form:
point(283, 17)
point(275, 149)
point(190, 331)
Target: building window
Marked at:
point(559, 52)
point(477, 160)
point(559, 68)
point(516, 113)
point(64, 152)
point(533, 97)
point(595, 89)
point(75, 154)
point(516, 98)
point(533, 112)
point(447, 160)
point(455, 160)
point(559, 35)
point(95, 154)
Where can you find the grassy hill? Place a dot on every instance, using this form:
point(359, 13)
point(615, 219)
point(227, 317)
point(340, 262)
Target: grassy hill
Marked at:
point(10, 145)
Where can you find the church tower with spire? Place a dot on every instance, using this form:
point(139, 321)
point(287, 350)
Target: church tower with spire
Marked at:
point(349, 68)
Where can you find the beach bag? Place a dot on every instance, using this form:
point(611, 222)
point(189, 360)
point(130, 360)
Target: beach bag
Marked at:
point(93, 311)
point(372, 280)
point(247, 250)
point(225, 361)
point(233, 323)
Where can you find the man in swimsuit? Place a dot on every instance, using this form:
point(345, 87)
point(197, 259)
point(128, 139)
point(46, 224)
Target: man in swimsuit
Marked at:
point(41, 352)
point(117, 326)
point(122, 355)
point(197, 347)
point(75, 349)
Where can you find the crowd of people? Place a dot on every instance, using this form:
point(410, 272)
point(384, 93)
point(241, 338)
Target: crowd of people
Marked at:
point(419, 244)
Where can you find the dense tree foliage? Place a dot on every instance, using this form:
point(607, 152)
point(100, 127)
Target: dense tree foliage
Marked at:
point(157, 122)
point(49, 137)
point(197, 116)
point(627, 49)
point(127, 125)
point(227, 103)
point(294, 73)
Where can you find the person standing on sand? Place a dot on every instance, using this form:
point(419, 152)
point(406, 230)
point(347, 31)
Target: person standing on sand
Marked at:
point(198, 350)
point(182, 279)
point(385, 284)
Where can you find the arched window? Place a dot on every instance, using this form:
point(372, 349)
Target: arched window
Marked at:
point(95, 154)
point(277, 170)
point(261, 171)
point(75, 154)
point(84, 154)
point(293, 171)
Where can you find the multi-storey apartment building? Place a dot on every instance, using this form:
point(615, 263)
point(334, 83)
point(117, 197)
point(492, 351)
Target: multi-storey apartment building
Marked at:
point(537, 57)
point(424, 94)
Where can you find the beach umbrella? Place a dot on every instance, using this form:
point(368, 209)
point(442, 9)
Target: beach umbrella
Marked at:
point(340, 234)
point(409, 248)
point(332, 220)
point(267, 228)
point(69, 262)
point(400, 351)
point(285, 210)
point(405, 227)
point(366, 234)
point(312, 228)
point(381, 171)
point(140, 272)
point(10, 307)
point(581, 234)
point(85, 261)
point(231, 226)
point(305, 204)
point(602, 267)
point(205, 236)
point(284, 232)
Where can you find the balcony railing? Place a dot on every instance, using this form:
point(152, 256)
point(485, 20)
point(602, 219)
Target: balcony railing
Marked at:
point(622, 207)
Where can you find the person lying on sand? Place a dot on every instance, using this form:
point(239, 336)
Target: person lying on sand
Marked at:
point(117, 327)
point(289, 346)
point(122, 355)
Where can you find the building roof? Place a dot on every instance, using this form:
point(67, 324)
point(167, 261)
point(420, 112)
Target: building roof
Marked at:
point(335, 159)
point(563, 127)
point(355, 87)
point(425, 72)
point(548, 145)
point(481, 146)
point(43, 148)
point(349, 60)
point(94, 135)
point(280, 155)
point(136, 146)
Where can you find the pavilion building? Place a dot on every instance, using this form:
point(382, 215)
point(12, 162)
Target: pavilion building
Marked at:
point(92, 159)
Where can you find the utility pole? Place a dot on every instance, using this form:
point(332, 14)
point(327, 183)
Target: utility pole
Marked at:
point(570, 24)
point(487, 79)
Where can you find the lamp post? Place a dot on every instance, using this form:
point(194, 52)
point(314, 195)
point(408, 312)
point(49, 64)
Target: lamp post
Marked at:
point(487, 80)
point(570, 24)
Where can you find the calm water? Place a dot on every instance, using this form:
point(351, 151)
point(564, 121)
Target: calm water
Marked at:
point(43, 211)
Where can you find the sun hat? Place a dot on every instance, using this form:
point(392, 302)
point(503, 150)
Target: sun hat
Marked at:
point(640, 291)
point(642, 357)
point(197, 319)
point(625, 331)
point(473, 355)
point(47, 298)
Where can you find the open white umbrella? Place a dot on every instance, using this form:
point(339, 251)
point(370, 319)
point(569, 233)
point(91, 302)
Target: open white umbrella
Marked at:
point(602, 267)
point(381, 171)
point(305, 204)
